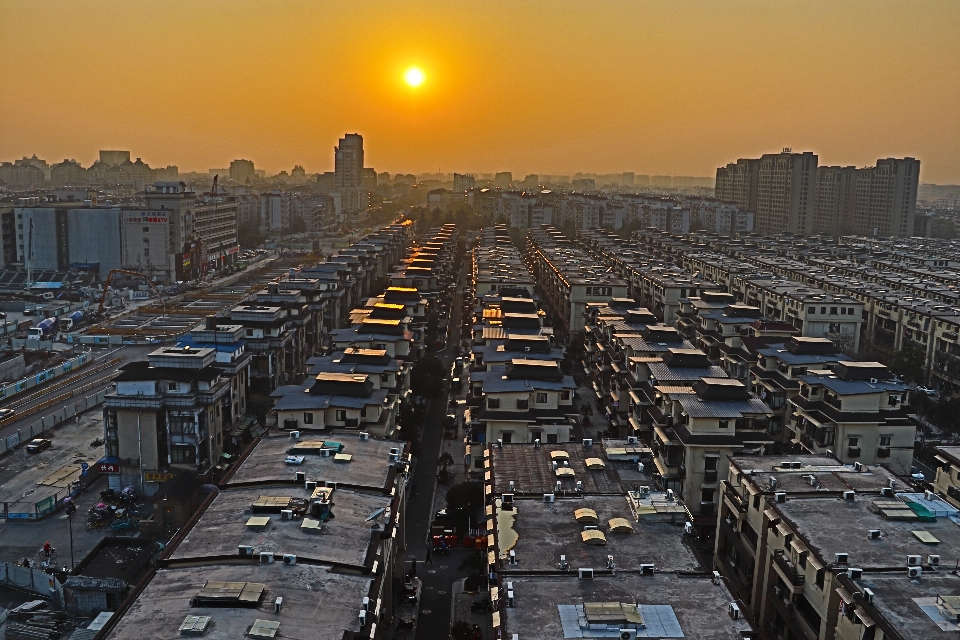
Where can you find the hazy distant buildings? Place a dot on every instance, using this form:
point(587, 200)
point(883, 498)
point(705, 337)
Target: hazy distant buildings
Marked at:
point(114, 158)
point(737, 182)
point(242, 171)
point(779, 187)
point(503, 179)
point(463, 182)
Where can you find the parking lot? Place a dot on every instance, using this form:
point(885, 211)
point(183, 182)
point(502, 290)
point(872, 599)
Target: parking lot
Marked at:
point(26, 479)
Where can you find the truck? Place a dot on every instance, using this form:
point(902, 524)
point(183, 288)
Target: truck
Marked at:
point(46, 330)
point(72, 320)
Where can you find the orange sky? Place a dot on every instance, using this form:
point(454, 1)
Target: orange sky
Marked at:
point(666, 87)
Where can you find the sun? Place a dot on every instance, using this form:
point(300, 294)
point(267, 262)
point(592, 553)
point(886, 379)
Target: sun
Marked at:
point(414, 76)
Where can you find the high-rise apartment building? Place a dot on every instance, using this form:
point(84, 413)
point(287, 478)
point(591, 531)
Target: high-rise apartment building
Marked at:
point(242, 171)
point(737, 182)
point(348, 162)
point(886, 198)
point(463, 182)
point(786, 191)
point(836, 190)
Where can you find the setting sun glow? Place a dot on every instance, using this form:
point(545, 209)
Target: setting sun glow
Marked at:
point(414, 76)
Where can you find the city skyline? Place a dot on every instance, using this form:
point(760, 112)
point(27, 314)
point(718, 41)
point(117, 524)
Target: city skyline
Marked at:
point(657, 90)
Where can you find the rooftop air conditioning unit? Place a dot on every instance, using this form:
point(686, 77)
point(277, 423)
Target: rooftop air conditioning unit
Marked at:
point(536, 443)
point(644, 490)
point(868, 595)
point(325, 453)
point(913, 561)
point(588, 442)
point(716, 577)
point(266, 557)
point(929, 495)
point(631, 439)
point(628, 634)
point(688, 527)
point(559, 486)
point(841, 558)
point(289, 558)
point(734, 610)
point(510, 600)
point(813, 480)
point(589, 527)
point(365, 604)
point(854, 574)
point(646, 569)
point(886, 492)
point(585, 573)
point(873, 534)
point(513, 557)
point(300, 476)
point(563, 564)
point(245, 551)
point(278, 604)
point(556, 465)
point(579, 486)
point(512, 486)
point(780, 496)
point(858, 466)
point(549, 497)
point(295, 435)
point(670, 495)
point(363, 618)
point(849, 495)
point(892, 483)
point(933, 561)
point(507, 499)
point(500, 443)
point(310, 485)
point(286, 514)
point(914, 572)
point(364, 435)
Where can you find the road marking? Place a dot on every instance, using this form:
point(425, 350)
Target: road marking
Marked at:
point(431, 571)
point(426, 611)
point(442, 593)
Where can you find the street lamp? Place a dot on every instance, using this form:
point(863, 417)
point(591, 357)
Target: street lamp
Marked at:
point(70, 509)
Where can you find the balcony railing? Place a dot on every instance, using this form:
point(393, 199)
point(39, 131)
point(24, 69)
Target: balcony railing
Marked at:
point(790, 572)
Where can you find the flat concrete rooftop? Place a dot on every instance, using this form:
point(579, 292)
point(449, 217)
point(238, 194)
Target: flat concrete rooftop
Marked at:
point(700, 606)
point(370, 467)
point(899, 598)
point(318, 604)
point(830, 475)
point(547, 530)
point(343, 540)
point(531, 469)
point(834, 525)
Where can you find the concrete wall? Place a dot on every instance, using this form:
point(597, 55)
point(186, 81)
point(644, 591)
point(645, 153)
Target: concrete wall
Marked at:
point(94, 236)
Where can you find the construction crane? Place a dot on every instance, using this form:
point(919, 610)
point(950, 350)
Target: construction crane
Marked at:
point(213, 189)
point(106, 286)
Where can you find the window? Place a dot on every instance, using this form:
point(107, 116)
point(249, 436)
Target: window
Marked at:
point(552, 438)
point(307, 418)
point(493, 403)
point(756, 501)
point(541, 398)
point(833, 311)
point(885, 441)
point(710, 463)
point(564, 395)
point(171, 386)
point(724, 424)
point(381, 346)
point(823, 311)
point(523, 404)
point(854, 440)
point(341, 415)
point(706, 495)
point(249, 333)
point(507, 436)
point(363, 412)
point(181, 454)
point(478, 463)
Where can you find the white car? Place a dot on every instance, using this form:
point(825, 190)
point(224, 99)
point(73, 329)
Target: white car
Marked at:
point(927, 390)
point(918, 476)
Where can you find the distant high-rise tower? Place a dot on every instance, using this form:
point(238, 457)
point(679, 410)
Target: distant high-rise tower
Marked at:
point(737, 182)
point(886, 198)
point(348, 162)
point(786, 192)
point(833, 211)
point(242, 170)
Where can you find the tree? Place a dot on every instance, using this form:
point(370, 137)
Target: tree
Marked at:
point(944, 228)
point(249, 236)
point(426, 377)
point(908, 364)
point(463, 501)
point(297, 225)
point(445, 461)
point(474, 564)
point(461, 630)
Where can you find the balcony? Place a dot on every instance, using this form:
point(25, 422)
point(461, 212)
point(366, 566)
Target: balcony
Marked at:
point(736, 502)
point(786, 609)
point(790, 573)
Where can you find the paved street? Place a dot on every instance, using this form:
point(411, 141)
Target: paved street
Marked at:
point(438, 579)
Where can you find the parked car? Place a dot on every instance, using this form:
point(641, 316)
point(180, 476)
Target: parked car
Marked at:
point(6, 413)
point(927, 390)
point(38, 444)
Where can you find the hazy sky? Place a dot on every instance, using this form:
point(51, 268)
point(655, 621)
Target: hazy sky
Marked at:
point(666, 87)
